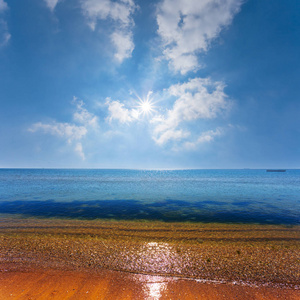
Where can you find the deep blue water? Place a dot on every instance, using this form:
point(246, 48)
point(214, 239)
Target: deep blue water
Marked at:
point(177, 195)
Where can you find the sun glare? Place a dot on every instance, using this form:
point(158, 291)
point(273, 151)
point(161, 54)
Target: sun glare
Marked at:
point(146, 106)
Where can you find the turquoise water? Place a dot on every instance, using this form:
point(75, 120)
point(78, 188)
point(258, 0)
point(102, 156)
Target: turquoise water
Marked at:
point(177, 195)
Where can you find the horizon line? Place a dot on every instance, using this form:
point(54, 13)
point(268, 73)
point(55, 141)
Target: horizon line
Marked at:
point(139, 169)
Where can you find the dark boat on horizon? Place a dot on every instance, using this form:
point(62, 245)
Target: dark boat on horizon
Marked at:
point(271, 170)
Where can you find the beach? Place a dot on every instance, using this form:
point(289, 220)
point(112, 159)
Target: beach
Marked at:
point(110, 259)
point(59, 284)
point(149, 149)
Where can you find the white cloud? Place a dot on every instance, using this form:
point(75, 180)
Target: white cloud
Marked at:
point(120, 13)
point(187, 27)
point(208, 136)
point(71, 132)
point(51, 4)
point(123, 43)
point(199, 98)
point(4, 32)
point(171, 134)
point(118, 112)
point(83, 116)
point(205, 137)
point(68, 131)
point(3, 6)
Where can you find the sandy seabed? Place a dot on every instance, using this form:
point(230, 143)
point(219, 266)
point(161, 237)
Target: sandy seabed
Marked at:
point(75, 259)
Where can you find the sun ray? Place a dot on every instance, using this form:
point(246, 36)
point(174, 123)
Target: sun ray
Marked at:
point(146, 106)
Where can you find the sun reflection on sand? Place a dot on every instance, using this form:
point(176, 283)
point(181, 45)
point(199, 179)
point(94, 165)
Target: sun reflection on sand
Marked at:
point(157, 257)
point(153, 286)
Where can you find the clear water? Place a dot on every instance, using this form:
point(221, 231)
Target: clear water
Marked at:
point(177, 195)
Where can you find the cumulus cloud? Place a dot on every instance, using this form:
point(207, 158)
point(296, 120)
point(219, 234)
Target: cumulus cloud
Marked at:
point(74, 132)
point(199, 98)
point(187, 27)
point(118, 112)
point(120, 13)
point(123, 43)
point(4, 32)
point(196, 99)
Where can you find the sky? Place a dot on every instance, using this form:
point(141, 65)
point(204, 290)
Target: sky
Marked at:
point(165, 84)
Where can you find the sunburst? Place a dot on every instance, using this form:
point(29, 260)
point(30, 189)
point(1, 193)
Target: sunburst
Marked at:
point(146, 106)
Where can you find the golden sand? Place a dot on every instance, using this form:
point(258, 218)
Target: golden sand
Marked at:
point(113, 285)
point(47, 258)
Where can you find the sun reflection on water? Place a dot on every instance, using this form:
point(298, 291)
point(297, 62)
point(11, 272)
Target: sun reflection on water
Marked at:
point(160, 258)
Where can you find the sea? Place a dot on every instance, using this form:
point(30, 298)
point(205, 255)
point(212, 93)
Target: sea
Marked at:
point(227, 196)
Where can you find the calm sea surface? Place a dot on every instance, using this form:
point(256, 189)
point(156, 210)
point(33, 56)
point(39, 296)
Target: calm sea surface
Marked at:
point(181, 195)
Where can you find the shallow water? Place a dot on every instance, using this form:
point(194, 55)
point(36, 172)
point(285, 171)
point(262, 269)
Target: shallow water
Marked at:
point(170, 195)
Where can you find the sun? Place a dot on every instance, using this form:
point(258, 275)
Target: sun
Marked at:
point(146, 106)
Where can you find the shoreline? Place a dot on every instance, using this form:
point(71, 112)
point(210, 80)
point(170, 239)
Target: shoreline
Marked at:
point(59, 284)
point(237, 257)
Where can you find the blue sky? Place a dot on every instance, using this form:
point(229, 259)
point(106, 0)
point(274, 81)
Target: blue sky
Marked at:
point(150, 84)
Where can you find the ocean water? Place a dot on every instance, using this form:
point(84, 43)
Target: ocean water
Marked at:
point(248, 196)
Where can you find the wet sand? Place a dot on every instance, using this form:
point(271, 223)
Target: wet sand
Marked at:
point(61, 259)
point(58, 284)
